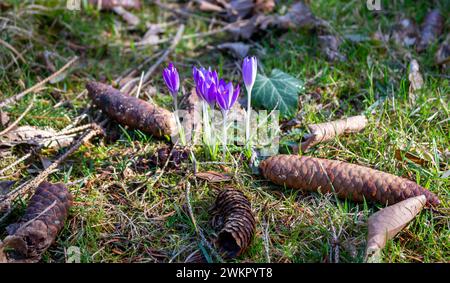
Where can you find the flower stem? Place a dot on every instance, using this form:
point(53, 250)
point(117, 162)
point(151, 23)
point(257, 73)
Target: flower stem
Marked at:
point(224, 135)
point(249, 110)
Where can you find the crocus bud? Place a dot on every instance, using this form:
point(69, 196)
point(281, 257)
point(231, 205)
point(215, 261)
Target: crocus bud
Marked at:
point(249, 69)
point(171, 78)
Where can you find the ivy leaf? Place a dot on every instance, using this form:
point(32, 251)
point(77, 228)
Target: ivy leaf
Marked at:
point(280, 91)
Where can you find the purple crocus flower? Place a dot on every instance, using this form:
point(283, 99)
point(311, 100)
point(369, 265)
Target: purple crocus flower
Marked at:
point(206, 82)
point(249, 69)
point(226, 95)
point(171, 78)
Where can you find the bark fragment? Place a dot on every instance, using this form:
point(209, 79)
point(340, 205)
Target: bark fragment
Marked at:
point(388, 222)
point(131, 111)
point(347, 180)
point(327, 131)
point(233, 217)
point(38, 228)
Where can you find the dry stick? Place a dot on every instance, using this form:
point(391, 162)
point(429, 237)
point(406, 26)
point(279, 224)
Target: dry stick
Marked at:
point(198, 230)
point(22, 189)
point(38, 85)
point(158, 62)
point(13, 50)
point(10, 127)
point(166, 53)
point(61, 103)
point(188, 36)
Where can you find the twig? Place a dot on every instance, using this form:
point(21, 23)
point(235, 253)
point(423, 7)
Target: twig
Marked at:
point(334, 243)
point(266, 240)
point(166, 53)
point(22, 189)
point(13, 50)
point(62, 103)
point(10, 127)
point(38, 85)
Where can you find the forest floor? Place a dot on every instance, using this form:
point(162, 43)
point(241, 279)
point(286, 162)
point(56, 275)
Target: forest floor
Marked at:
point(127, 210)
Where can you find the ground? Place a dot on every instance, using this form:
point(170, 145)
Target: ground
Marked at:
point(128, 211)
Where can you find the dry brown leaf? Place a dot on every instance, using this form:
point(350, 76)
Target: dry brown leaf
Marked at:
point(298, 16)
point(110, 4)
point(431, 29)
point(330, 46)
point(329, 130)
point(414, 158)
point(208, 6)
point(386, 223)
point(405, 32)
point(443, 53)
point(238, 49)
point(239, 9)
point(264, 6)
point(46, 137)
point(415, 79)
point(213, 177)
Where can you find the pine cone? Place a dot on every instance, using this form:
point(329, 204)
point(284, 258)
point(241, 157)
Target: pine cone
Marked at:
point(38, 228)
point(131, 111)
point(347, 180)
point(232, 215)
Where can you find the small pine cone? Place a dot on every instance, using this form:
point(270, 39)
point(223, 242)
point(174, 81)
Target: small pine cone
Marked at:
point(347, 180)
point(232, 215)
point(131, 111)
point(44, 218)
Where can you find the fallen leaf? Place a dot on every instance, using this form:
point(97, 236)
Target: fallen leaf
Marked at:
point(34, 136)
point(431, 29)
point(264, 6)
point(213, 177)
point(443, 53)
point(405, 32)
point(207, 6)
point(238, 49)
point(330, 46)
point(413, 158)
point(298, 16)
point(239, 9)
point(386, 223)
point(415, 79)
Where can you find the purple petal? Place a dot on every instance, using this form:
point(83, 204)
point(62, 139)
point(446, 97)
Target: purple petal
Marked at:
point(235, 96)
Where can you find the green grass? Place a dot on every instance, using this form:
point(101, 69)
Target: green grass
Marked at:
point(126, 212)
